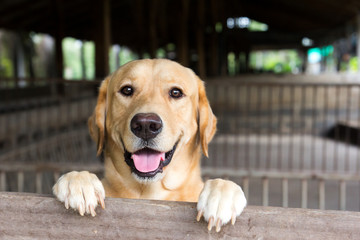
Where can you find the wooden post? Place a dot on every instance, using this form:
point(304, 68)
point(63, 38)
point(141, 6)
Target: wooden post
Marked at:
point(183, 44)
point(102, 36)
point(139, 8)
point(214, 42)
point(59, 35)
point(200, 39)
point(358, 39)
point(82, 59)
point(153, 28)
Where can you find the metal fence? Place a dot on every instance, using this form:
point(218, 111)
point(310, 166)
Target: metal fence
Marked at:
point(287, 143)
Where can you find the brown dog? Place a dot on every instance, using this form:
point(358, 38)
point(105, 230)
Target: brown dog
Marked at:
point(151, 120)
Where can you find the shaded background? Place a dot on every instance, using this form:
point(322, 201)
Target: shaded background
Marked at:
point(282, 77)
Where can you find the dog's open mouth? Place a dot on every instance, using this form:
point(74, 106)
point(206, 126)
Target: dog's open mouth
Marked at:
point(148, 162)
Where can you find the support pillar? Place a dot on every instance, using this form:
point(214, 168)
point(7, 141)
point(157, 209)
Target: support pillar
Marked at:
point(358, 39)
point(200, 39)
point(153, 28)
point(102, 37)
point(214, 41)
point(59, 35)
point(183, 44)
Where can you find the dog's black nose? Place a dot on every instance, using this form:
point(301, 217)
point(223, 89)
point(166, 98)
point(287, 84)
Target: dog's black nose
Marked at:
point(146, 125)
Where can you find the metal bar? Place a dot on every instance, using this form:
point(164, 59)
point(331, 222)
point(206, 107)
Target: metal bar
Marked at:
point(337, 138)
point(258, 123)
point(223, 93)
point(2, 181)
point(302, 112)
point(56, 176)
point(347, 133)
point(304, 193)
point(237, 125)
point(357, 167)
point(245, 181)
point(270, 121)
point(20, 181)
point(292, 124)
point(342, 195)
point(265, 194)
point(280, 123)
point(247, 131)
point(239, 173)
point(285, 192)
point(313, 127)
point(322, 194)
point(38, 182)
point(326, 114)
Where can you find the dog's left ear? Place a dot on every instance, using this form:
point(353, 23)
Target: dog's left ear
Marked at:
point(96, 122)
point(206, 119)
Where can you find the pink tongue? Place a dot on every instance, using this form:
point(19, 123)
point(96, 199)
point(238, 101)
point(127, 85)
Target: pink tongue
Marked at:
point(147, 160)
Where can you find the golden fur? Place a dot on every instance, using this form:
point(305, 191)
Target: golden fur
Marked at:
point(188, 120)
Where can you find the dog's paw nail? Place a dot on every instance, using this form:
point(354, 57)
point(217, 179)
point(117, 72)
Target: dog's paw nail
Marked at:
point(211, 223)
point(81, 209)
point(67, 203)
point(233, 218)
point(199, 215)
point(218, 225)
point(100, 200)
point(92, 210)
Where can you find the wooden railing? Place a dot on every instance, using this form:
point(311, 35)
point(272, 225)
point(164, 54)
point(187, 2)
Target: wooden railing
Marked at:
point(32, 216)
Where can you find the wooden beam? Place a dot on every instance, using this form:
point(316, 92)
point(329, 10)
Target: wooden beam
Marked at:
point(358, 39)
point(102, 36)
point(183, 38)
point(153, 35)
point(200, 39)
point(58, 9)
point(214, 41)
point(38, 217)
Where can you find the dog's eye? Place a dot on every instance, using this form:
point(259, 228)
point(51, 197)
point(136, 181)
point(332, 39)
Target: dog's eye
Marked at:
point(176, 93)
point(127, 91)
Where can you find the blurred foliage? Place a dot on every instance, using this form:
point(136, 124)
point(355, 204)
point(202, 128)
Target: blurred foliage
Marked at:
point(353, 64)
point(282, 61)
point(6, 63)
point(72, 58)
point(256, 26)
point(79, 56)
point(89, 60)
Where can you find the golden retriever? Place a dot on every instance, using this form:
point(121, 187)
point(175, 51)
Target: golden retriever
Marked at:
point(151, 121)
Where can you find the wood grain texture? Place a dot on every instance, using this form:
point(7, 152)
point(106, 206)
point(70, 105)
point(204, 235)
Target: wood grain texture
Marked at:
point(33, 216)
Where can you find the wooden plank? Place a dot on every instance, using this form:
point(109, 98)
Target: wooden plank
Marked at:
point(31, 216)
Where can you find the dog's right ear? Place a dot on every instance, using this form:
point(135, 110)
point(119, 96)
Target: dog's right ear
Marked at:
point(96, 122)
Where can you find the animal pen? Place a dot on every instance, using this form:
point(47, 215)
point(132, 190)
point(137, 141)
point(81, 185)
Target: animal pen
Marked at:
point(287, 141)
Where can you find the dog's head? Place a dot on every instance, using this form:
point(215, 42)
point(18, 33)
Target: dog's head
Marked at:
point(152, 112)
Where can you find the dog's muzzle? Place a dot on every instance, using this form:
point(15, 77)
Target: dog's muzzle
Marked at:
point(146, 163)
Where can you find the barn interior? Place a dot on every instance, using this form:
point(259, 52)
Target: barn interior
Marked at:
point(289, 129)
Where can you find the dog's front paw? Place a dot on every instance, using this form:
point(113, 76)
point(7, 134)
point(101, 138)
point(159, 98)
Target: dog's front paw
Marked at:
point(219, 202)
point(82, 191)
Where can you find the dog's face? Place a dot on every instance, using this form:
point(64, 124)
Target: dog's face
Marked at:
point(153, 112)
